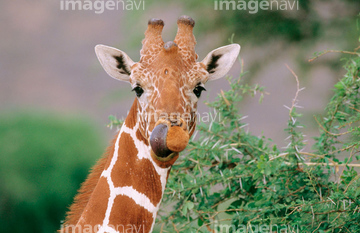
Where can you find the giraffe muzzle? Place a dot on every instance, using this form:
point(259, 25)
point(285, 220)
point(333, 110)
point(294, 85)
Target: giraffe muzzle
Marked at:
point(167, 140)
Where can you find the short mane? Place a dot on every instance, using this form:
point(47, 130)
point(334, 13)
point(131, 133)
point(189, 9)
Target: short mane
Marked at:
point(86, 190)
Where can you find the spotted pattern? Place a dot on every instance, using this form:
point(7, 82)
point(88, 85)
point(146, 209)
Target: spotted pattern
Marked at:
point(136, 183)
point(130, 188)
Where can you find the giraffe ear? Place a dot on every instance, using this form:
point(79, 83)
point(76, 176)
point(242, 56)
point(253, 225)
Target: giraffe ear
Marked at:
point(115, 62)
point(219, 61)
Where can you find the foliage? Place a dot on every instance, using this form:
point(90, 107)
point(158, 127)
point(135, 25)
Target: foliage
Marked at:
point(232, 181)
point(115, 122)
point(290, 20)
point(43, 160)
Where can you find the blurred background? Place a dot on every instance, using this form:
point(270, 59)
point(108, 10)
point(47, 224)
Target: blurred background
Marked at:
point(55, 98)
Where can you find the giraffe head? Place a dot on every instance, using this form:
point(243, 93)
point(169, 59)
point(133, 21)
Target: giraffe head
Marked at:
point(167, 82)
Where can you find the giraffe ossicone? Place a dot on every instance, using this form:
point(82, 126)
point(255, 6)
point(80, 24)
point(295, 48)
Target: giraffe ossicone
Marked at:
point(124, 190)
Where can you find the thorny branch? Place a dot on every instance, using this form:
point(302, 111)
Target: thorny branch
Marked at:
point(336, 51)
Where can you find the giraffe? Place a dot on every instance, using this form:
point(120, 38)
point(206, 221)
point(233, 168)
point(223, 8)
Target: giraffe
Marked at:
point(123, 192)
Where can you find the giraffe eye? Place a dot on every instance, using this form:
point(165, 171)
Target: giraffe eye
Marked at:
point(198, 89)
point(138, 91)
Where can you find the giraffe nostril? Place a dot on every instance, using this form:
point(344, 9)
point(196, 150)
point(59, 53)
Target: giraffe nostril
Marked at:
point(181, 123)
point(174, 122)
point(178, 122)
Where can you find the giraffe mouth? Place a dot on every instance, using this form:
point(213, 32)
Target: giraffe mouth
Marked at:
point(167, 140)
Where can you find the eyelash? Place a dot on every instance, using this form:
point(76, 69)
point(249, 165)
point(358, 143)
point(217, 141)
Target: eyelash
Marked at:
point(138, 91)
point(198, 89)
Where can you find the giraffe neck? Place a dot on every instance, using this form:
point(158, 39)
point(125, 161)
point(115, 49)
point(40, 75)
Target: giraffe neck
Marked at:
point(130, 188)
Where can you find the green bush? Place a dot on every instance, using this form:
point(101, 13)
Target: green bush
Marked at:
point(232, 181)
point(43, 160)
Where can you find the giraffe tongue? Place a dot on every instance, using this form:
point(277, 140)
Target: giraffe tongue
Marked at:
point(158, 141)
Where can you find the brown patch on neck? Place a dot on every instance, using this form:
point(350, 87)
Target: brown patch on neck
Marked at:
point(131, 119)
point(136, 220)
point(137, 173)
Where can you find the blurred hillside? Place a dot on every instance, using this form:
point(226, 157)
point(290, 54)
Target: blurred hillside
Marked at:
point(48, 64)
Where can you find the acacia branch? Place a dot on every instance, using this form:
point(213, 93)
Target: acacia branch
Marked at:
point(335, 51)
point(332, 164)
point(332, 134)
point(297, 89)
